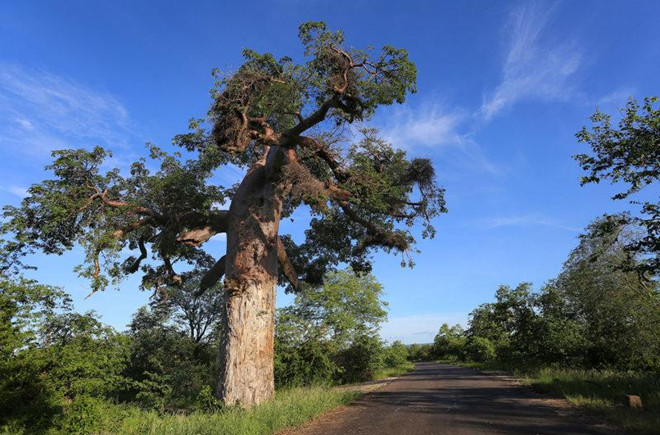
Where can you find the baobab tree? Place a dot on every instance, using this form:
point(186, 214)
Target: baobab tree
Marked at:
point(287, 125)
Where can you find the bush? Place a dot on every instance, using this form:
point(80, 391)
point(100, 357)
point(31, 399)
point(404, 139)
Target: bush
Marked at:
point(395, 355)
point(479, 349)
point(361, 360)
point(420, 352)
point(308, 363)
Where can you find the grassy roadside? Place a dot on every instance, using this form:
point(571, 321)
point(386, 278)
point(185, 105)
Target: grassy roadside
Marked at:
point(599, 392)
point(393, 371)
point(290, 408)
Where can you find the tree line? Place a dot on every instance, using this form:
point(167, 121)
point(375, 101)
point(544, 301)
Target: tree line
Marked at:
point(598, 313)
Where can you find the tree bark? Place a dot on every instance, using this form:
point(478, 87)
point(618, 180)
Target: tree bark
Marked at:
point(251, 269)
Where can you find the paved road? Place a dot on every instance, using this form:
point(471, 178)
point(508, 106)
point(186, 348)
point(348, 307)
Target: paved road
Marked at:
point(443, 399)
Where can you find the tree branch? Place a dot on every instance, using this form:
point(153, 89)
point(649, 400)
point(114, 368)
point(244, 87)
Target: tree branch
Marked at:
point(324, 154)
point(202, 226)
point(212, 276)
point(287, 267)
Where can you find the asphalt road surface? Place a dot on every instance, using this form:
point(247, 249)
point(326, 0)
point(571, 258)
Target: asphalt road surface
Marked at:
point(443, 399)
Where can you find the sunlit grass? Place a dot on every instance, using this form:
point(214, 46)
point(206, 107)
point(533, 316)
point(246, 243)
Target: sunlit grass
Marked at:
point(289, 408)
point(393, 371)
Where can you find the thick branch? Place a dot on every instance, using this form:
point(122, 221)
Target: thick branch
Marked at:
point(212, 276)
point(313, 119)
point(324, 154)
point(121, 232)
point(287, 267)
point(202, 227)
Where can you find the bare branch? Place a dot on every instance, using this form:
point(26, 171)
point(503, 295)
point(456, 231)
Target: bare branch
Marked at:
point(287, 267)
point(202, 227)
point(143, 254)
point(212, 276)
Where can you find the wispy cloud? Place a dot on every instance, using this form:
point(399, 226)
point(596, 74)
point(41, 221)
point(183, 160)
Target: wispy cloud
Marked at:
point(433, 128)
point(419, 328)
point(526, 220)
point(41, 111)
point(535, 66)
point(618, 96)
point(431, 125)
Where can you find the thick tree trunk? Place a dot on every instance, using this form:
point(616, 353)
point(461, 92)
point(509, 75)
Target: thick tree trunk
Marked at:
point(246, 351)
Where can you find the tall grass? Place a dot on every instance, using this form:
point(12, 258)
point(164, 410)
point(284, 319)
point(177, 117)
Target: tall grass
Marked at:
point(289, 408)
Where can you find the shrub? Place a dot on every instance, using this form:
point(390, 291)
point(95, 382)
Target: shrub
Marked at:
point(479, 349)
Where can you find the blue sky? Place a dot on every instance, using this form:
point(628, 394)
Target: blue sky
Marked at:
point(503, 88)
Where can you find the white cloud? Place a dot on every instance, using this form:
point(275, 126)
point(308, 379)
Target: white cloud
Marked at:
point(522, 220)
point(419, 328)
point(433, 128)
point(535, 68)
point(618, 97)
point(41, 111)
point(430, 126)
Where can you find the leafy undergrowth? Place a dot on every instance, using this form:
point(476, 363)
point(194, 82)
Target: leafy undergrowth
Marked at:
point(600, 392)
point(290, 408)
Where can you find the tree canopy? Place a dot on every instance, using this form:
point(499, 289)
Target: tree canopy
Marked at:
point(290, 117)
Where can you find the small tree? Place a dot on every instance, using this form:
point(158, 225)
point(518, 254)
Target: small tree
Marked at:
point(449, 342)
point(331, 330)
point(286, 124)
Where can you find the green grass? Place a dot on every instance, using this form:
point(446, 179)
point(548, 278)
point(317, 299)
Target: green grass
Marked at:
point(393, 371)
point(599, 392)
point(289, 408)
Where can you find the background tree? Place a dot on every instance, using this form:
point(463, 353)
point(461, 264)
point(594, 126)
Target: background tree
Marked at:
point(330, 332)
point(619, 314)
point(629, 155)
point(57, 367)
point(197, 314)
point(449, 342)
point(285, 123)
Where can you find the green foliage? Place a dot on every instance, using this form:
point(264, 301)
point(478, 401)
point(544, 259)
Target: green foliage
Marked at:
point(361, 360)
point(330, 332)
point(629, 155)
point(449, 343)
point(395, 355)
point(309, 362)
point(167, 366)
point(479, 349)
point(598, 313)
point(59, 365)
point(420, 352)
